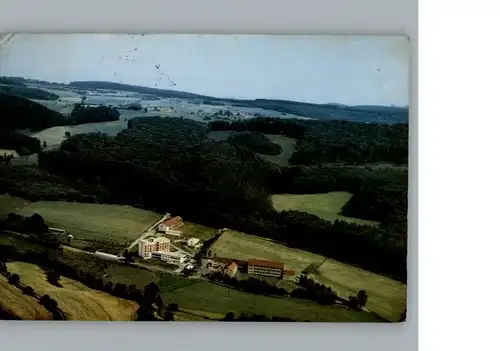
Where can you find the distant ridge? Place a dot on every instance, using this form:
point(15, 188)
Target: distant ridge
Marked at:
point(375, 114)
point(328, 111)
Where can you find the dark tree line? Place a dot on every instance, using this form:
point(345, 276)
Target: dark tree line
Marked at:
point(311, 290)
point(28, 93)
point(255, 141)
point(23, 144)
point(86, 114)
point(322, 142)
point(21, 113)
point(253, 285)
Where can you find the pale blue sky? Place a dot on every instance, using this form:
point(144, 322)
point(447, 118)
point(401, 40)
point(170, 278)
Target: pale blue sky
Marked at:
point(321, 69)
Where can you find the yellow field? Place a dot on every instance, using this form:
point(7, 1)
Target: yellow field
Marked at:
point(114, 224)
point(16, 303)
point(77, 301)
point(386, 297)
point(242, 246)
point(327, 206)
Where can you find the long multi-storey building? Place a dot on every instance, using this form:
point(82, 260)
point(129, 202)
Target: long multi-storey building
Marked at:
point(150, 245)
point(266, 268)
point(169, 257)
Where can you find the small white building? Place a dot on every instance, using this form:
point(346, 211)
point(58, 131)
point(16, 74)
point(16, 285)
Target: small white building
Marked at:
point(192, 242)
point(170, 257)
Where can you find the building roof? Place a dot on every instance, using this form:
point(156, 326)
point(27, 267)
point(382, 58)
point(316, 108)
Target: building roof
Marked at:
point(170, 253)
point(159, 239)
point(233, 266)
point(288, 272)
point(264, 263)
point(172, 221)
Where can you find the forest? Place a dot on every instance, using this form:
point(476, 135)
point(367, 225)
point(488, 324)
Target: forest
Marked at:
point(28, 93)
point(321, 142)
point(255, 141)
point(86, 114)
point(223, 185)
point(36, 117)
point(169, 165)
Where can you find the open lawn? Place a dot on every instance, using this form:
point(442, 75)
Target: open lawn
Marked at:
point(194, 230)
point(77, 301)
point(386, 297)
point(14, 302)
point(242, 246)
point(287, 149)
point(327, 206)
point(220, 300)
point(107, 227)
point(11, 204)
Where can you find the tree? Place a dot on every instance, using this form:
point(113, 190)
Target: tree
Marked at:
point(151, 291)
point(14, 279)
point(108, 287)
point(53, 277)
point(173, 307)
point(168, 316)
point(28, 290)
point(45, 300)
point(159, 305)
point(3, 267)
point(128, 256)
point(362, 298)
point(229, 317)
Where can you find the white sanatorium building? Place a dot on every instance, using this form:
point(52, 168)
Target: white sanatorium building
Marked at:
point(150, 245)
point(159, 248)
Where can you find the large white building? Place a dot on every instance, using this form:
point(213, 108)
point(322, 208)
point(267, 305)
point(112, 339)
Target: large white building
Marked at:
point(150, 245)
point(266, 268)
point(169, 257)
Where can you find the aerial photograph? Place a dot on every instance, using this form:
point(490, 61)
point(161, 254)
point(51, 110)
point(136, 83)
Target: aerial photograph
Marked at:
point(205, 178)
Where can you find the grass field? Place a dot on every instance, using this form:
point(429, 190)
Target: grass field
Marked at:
point(287, 149)
point(386, 297)
point(11, 204)
point(77, 301)
point(16, 303)
point(107, 227)
point(327, 206)
point(199, 231)
point(216, 299)
point(242, 246)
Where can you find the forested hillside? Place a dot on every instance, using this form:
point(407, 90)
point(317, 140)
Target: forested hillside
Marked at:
point(169, 165)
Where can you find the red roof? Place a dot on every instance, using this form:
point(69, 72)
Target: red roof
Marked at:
point(288, 272)
point(233, 266)
point(263, 263)
point(172, 221)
